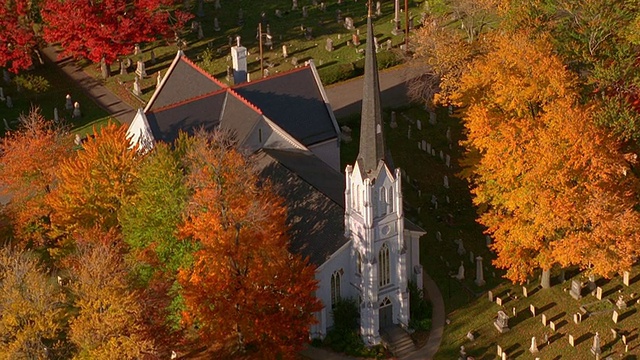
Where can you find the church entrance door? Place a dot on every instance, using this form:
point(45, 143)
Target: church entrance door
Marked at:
point(386, 313)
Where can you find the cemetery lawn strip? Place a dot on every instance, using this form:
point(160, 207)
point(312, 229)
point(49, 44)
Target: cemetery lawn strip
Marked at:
point(59, 86)
point(285, 30)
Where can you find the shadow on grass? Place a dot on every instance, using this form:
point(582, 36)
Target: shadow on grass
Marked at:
point(612, 290)
point(549, 306)
point(561, 324)
point(627, 314)
point(558, 317)
point(583, 337)
point(514, 351)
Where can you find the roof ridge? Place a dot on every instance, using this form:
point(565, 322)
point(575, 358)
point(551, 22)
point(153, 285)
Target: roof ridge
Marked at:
point(200, 70)
point(245, 101)
point(247, 83)
point(189, 100)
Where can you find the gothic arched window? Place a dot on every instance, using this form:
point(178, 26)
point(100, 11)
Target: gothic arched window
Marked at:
point(384, 270)
point(383, 201)
point(390, 200)
point(359, 264)
point(335, 288)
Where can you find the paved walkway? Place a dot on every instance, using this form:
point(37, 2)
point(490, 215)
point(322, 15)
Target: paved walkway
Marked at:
point(101, 95)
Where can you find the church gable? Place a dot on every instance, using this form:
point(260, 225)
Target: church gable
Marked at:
point(184, 80)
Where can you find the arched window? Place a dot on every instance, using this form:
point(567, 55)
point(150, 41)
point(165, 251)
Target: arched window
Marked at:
point(390, 200)
point(383, 201)
point(384, 271)
point(359, 264)
point(356, 198)
point(335, 288)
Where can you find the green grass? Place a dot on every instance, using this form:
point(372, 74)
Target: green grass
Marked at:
point(467, 305)
point(60, 86)
point(285, 30)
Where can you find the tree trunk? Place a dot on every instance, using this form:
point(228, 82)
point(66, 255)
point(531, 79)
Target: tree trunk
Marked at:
point(545, 279)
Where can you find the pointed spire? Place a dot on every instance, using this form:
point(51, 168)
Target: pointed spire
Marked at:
point(371, 127)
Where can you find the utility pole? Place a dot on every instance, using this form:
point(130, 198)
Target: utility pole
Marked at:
point(406, 26)
point(261, 62)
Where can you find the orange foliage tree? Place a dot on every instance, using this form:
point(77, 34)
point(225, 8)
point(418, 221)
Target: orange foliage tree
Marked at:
point(554, 188)
point(246, 293)
point(94, 183)
point(29, 159)
point(110, 315)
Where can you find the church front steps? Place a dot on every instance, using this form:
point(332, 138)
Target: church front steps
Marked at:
point(398, 341)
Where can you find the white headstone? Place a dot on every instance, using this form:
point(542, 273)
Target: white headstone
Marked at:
point(595, 348)
point(552, 325)
point(136, 87)
point(140, 69)
point(447, 160)
point(76, 110)
point(498, 301)
point(419, 124)
point(446, 182)
point(68, 104)
point(532, 309)
point(479, 272)
point(544, 320)
point(625, 275)
point(158, 78)
point(614, 317)
point(460, 275)
point(599, 293)
point(525, 293)
point(490, 295)
point(571, 341)
point(534, 346)
point(56, 117)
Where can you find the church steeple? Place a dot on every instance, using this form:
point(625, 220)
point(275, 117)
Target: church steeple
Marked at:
point(372, 148)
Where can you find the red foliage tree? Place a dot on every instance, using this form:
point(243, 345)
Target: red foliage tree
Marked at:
point(17, 38)
point(106, 28)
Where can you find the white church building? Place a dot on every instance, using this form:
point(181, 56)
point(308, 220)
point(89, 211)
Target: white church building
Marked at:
point(351, 225)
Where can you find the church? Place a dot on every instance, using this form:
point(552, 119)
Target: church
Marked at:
point(351, 225)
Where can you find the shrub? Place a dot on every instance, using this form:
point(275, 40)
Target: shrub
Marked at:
point(420, 309)
point(336, 73)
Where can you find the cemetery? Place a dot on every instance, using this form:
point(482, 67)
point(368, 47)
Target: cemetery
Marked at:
point(487, 316)
point(332, 33)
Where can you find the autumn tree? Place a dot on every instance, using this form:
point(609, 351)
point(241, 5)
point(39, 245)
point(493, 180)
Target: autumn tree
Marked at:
point(545, 175)
point(248, 296)
point(29, 159)
point(93, 184)
point(17, 36)
point(109, 313)
point(32, 305)
point(106, 29)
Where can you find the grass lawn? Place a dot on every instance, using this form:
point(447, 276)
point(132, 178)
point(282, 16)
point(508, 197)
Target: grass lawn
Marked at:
point(285, 30)
point(60, 86)
point(467, 305)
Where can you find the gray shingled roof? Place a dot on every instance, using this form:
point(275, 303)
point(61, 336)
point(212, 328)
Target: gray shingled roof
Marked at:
point(203, 112)
point(187, 81)
point(316, 221)
point(293, 101)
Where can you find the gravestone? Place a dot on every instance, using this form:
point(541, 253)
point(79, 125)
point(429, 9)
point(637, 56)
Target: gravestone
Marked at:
point(308, 33)
point(409, 132)
point(592, 282)
point(348, 23)
point(614, 334)
point(329, 45)
point(378, 8)
point(472, 258)
point(419, 124)
point(576, 290)
point(525, 292)
point(599, 293)
point(625, 278)
point(595, 348)
point(346, 134)
point(393, 123)
point(339, 16)
point(552, 325)
point(544, 320)
point(532, 309)
point(9, 102)
point(428, 148)
point(438, 235)
point(621, 304)
point(216, 24)
point(534, 346)
point(76, 110)
point(136, 87)
point(433, 152)
point(153, 56)
point(140, 70)
point(304, 12)
point(295, 5)
point(355, 39)
point(441, 155)
point(479, 272)
point(159, 78)
point(490, 295)
point(624, 339)
point(514, 311)
point(447, 160)
point(575, 319)
point(136, 50)
point(571, 341)
point(389, 44)
point(470, 336)
point(56, 116)
point(77, 140)
point(498, 301)
point(499, 350)
point(463, 353)
point(502, 322)
point(614, 317)
point(460, 275)
point(200, 32)
point(424, 145)
point(446, 182)
point(68, 104)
